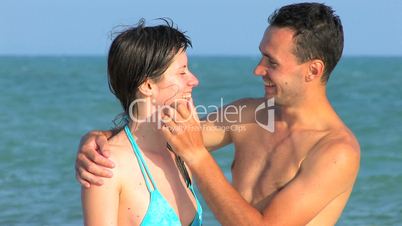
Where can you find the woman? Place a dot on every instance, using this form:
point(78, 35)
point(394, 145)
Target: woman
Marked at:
point(147, 70)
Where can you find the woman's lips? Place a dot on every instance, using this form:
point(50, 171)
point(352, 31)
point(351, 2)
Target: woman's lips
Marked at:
point(186, 96)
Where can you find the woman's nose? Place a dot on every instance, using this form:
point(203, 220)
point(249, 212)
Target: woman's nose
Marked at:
point(192, 81)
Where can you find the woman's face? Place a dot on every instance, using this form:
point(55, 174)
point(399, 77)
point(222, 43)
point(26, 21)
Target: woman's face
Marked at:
point(176, 83)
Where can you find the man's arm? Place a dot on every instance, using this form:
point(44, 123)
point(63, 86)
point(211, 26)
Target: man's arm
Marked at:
point(218, 127)
point(329, 171)
point(214, 136)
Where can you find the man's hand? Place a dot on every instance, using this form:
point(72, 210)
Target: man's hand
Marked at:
point(92, 158)
point(183, 132)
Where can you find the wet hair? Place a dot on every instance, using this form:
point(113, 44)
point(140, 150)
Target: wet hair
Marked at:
point(139, 53)
point(318, 32)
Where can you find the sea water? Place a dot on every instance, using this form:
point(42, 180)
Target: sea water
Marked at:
point(48, 103)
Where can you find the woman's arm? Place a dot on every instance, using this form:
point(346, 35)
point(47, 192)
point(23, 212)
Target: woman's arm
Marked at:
point(100, 203)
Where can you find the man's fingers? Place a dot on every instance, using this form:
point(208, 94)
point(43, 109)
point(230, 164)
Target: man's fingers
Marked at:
point(191, 107)
point(169, 124)
point(96, 157)
point(187, 112)
point(171, 113)
point(87, 177)
point(103, 145)
point(93, 167)
point(183, 111)
point(81, 181)
point(166, 133)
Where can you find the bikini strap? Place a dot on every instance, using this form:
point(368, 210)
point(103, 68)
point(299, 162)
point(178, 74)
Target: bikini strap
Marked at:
point(141, 162)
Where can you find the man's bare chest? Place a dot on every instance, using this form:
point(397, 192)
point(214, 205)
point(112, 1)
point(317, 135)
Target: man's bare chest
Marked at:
point(263, 166)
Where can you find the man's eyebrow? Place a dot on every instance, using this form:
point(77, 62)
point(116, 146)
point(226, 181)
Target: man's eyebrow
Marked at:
point(267, 54)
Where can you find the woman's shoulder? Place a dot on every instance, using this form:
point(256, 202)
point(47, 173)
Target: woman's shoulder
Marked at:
point(121, 153)
point(120, 147)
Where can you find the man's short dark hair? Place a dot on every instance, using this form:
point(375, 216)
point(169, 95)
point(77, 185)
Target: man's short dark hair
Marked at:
point(318, 32)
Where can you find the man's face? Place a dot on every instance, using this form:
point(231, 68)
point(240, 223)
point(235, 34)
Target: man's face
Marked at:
point(282, 74)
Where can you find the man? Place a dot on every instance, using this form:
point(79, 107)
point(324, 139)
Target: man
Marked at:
point(303, 172)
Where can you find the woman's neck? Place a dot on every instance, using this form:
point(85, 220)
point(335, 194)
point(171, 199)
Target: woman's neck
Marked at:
point(145, 124)
point(148, 136)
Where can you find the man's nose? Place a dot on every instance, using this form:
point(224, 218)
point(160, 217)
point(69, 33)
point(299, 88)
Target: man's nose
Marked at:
point(260, 70)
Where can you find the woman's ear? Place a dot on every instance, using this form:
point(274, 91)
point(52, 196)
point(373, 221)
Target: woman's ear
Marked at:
point(146, 88)
point(315, 70)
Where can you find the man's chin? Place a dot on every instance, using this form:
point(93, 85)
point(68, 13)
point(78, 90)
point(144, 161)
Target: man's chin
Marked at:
point(269, 95)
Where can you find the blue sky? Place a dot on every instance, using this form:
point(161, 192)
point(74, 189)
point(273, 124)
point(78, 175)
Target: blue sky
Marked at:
point(220, 27)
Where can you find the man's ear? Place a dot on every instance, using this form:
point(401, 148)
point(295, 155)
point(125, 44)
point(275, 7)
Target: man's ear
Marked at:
point(146, 88)
point(315, 70)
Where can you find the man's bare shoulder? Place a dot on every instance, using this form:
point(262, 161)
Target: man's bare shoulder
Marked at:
point(339, 148)
point(341, 138)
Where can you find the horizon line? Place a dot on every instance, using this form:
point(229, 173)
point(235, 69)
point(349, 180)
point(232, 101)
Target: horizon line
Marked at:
point(190, 55)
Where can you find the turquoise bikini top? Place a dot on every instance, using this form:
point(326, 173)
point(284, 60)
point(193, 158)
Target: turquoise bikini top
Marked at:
point(159, 210)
